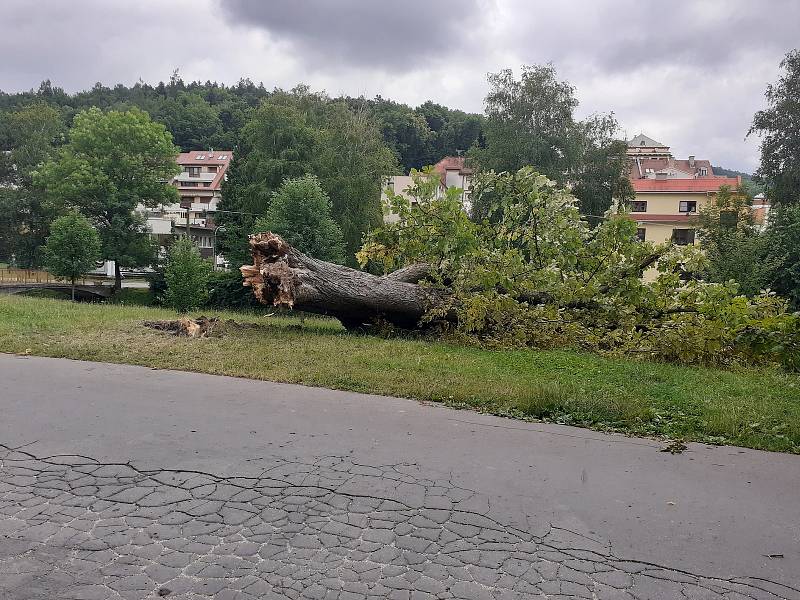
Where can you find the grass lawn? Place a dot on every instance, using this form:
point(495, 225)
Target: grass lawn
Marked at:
point(757, 409)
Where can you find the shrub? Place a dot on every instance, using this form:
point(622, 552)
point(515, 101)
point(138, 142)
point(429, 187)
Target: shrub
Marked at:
point(225, 291)
point(72, 247)
point(186, 276)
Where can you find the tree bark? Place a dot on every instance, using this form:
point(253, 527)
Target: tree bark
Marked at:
point(117, 277)
point(282, 276)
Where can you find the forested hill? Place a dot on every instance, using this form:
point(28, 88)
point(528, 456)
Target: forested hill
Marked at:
point(731, 172)
point(211, 115)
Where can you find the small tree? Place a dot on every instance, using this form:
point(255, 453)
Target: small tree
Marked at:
point(734, 246)
point(187, 276)
point(300, 212)
point(72, 247)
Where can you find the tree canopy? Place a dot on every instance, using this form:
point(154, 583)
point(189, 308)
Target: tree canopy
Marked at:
point(530, 121)
point(296, 133)
point(72, 247)
point(779, 129)
point(300, 212)
point(32, 133)
point(534, 273)
point(114, 162)
point(186, 276)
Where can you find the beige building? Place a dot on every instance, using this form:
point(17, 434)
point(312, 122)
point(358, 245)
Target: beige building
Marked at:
point(669, 192)
point(667, 209)
point(452, 173)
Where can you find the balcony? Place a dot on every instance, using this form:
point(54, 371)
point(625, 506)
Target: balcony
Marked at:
point(202, 177)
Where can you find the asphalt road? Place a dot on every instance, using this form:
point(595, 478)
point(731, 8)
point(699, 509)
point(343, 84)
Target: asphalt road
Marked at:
point(128, 482)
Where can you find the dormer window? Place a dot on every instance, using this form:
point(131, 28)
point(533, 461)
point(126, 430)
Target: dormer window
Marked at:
point(703, 171)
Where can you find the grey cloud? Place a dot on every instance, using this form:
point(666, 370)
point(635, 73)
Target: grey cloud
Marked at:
point(629, 35)
point(689, 72)
point(399, 36)
point(76, 44)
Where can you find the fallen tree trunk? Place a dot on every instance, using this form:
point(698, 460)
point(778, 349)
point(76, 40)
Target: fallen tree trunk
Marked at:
point(282, 276)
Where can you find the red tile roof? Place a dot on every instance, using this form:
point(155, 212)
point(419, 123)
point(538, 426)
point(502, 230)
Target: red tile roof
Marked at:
point(210, 158)
point(701, 184)
point(451, 163)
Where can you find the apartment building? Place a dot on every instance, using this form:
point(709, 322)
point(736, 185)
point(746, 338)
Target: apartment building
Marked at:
point(452, 173)
point(199, 186)
point(667, 209)
point(669, 191)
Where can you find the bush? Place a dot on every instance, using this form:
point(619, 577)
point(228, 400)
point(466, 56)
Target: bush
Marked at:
point(187, 276)
point(225, 291)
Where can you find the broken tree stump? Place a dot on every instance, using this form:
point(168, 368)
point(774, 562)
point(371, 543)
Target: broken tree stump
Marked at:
point(283, 276)
point(199, 327)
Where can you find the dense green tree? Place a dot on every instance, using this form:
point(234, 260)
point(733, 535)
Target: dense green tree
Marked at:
point(599, 175)
point(406, 132)
point(30, 134)
point(300, 212)
point(192, 121)
point(779, 129)
point(454, 131)
point(72, 248)
point(299, 132)
point(351, 161)
point(735, 248)
point(782, 242)
point(531, 122)
point(276, 143)
point(186, 275)
point(114, 162)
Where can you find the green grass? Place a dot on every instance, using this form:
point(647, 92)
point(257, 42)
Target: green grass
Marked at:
point(757, 409)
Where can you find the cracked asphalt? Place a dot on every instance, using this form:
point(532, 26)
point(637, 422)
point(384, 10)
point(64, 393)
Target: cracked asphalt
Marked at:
point(121, 482)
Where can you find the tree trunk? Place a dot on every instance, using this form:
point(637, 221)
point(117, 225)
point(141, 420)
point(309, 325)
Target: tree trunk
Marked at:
point(117, 277)
point(73, 289)
point(283, 276)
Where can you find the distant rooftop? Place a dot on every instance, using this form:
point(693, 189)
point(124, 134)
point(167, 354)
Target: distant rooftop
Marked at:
point(642, 140)
point(214, 157)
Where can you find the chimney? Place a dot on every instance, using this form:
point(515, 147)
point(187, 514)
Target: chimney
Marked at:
point(691, 162)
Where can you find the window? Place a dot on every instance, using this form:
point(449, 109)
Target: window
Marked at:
point(703, 171)
point(194, 171)
point(212, 168)
point(639, 206)
point(683, 237)
point(687, 206)
point(640, 233)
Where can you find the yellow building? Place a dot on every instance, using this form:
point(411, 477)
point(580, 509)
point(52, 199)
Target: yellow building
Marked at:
point(667, 209)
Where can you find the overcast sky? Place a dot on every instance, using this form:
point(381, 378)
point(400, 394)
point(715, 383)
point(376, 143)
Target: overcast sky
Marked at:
point(687, 73)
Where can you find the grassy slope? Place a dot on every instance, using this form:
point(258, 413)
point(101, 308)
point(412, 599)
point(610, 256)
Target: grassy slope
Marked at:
point(754, 408)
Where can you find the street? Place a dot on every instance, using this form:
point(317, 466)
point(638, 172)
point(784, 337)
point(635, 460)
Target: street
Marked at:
point(127, 482)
